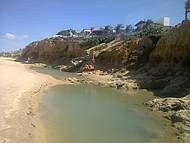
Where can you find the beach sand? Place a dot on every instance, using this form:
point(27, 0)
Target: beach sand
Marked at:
point(20, 89)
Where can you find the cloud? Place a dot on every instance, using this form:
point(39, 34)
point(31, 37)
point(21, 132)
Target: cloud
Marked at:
point(10, 36)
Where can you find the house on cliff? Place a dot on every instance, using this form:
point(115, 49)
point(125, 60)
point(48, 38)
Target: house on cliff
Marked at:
point(99, 31)
point(67, 33)
point(143, 24)
point(164, 21)
point(86, 33)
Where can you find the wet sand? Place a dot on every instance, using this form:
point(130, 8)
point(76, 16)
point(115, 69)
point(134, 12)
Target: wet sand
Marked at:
point(20, 90)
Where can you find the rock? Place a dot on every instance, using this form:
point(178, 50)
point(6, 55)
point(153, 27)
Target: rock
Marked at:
point(73, 80)
point(119, 85)
point(178, 110)
point(119, 75)
point(33, 125)
point(67, 68)
point(30, 113)
point(181, 116)
point(170, 104)
point(52, 49)
point(176, 86)
point(88, 67)
point(173, 47)
point(149, 83)
point(184, 138)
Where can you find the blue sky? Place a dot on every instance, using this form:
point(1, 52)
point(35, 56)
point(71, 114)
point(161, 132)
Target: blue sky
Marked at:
point(23, 21)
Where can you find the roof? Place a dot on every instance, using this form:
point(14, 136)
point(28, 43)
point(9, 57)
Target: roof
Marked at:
point(86, 30)
point(140, 22)
point(98, 29)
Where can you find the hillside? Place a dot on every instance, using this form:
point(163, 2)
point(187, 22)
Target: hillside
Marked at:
point(52, 50)
point(174, 47)
point(158, 62)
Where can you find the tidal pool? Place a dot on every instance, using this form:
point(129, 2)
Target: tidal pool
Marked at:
point(92, 114)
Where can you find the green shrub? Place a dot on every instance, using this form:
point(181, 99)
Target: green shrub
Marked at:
point(94, 41)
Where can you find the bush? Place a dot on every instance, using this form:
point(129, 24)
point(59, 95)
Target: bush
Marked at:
point(94, 41)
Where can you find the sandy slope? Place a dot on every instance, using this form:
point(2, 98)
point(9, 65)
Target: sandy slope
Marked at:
point(20, 90)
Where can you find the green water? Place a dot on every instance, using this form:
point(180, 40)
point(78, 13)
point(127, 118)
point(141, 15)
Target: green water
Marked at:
point(55, 73)
point(92, 114)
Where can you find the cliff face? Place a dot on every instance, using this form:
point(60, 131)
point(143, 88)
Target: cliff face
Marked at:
point(174, 47)
point(119, 53)
point(51, 50)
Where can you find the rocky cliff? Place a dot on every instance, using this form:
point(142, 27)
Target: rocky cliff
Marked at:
point(53, 49)
point(174, 47)
point(123, 54)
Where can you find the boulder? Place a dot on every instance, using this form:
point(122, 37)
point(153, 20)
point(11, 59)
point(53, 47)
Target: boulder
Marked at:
point(181, 116)
point(170, 104)
point(176, 86)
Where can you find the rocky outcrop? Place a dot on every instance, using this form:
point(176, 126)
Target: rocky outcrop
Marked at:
point(168, 66)
point(174, 47)
point(115, 54)
point(170, 104)
point(178, 110)
point(52, 50)
point(120, 53)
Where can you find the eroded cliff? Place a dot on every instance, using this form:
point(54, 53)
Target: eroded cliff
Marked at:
point(53, 50)
point(174, 47)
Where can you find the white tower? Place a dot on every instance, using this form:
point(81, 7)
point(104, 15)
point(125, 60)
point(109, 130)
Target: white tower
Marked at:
point(165, 21)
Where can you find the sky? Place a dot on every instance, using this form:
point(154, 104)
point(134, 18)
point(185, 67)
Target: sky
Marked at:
point(24, 21)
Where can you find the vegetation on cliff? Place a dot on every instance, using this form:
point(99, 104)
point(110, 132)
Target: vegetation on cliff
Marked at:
point(94, 41)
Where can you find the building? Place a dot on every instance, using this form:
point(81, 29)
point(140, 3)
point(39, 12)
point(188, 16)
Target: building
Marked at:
point(86, 32)
point(140, 25)
point(98, 31)
point(165, 21)
point(144, 24)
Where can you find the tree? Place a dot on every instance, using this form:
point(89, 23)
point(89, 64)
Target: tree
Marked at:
point(108, 29)
point(67, 32)
point(119, 28)
point(149, 21)
point(129, 28)
point(148, 24)
point(187, 8)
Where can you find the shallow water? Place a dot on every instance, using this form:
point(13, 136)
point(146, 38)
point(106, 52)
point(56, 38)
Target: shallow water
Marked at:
point(55, 73)
point(92, 114)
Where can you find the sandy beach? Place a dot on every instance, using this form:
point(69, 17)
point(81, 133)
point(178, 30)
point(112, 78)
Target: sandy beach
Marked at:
point(20, 89)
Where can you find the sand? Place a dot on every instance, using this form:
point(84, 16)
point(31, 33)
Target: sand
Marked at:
point(20, 88)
